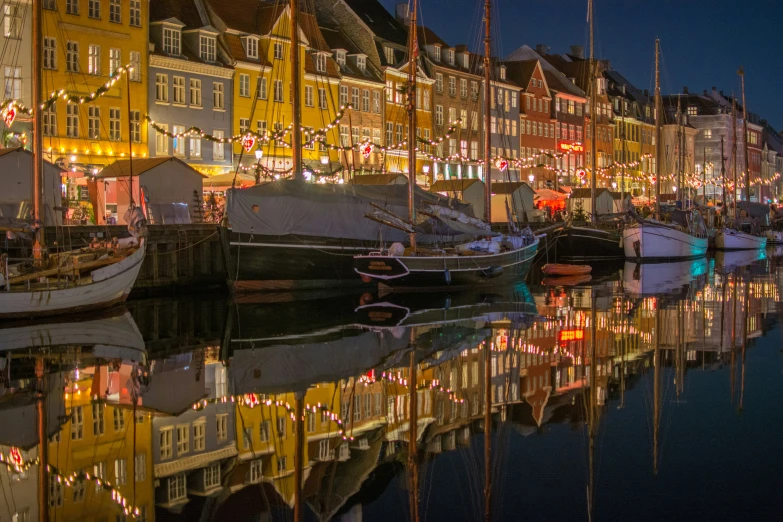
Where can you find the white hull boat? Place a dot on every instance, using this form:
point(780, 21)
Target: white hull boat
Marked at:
point(645, 279)
point(728, 239)
point(101, 288)
point(650, 241)
point(774, 237)
point(728, 260)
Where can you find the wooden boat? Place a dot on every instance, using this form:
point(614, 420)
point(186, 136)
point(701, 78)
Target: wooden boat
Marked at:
point(651, 240)
point(555, 269)
point(572, 280)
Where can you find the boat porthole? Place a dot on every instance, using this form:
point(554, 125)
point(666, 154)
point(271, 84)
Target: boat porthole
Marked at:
point(255, 209)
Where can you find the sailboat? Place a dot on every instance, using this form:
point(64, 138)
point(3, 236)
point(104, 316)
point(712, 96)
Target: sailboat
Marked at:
point(488, 257)
point(654, 240)
point(74, 281)
point(734, 238)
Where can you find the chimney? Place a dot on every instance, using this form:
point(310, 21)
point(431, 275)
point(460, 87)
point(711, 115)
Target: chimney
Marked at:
point(578, 51)
point(605, 64)
point(541, 49)
point(402, 14)
point(705, 92)
point(685, 90)
point(647, 93)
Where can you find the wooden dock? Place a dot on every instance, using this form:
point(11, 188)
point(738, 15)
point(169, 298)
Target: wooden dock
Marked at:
point(178, 256)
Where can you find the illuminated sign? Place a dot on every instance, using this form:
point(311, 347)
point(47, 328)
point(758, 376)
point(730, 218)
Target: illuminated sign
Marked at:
point(570, 335)
point(571, 147)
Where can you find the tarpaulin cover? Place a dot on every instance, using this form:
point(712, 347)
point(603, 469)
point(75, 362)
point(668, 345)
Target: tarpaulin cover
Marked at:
point(323, 210)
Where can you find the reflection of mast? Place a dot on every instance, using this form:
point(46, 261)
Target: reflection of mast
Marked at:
point(487, 433)
point(656, 383)
point(298, 454)
point(413, 420)
point(43, 440)
point(592, 402)
point(744, 341)
point(733, 336)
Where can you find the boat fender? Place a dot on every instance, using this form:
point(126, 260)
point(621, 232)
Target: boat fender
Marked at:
point(492, 272)
point(447, 275)
point(396, 249)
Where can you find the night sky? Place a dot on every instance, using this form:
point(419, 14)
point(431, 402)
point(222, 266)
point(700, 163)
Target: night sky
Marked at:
point(703, 42)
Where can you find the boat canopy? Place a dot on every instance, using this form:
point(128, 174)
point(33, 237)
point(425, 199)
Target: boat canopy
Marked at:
point(755, 210)
point(690, 220)
point(285, 207)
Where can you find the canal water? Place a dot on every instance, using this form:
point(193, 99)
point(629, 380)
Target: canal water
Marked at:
point(648, 392)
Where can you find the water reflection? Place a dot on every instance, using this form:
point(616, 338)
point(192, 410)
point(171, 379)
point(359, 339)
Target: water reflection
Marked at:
point(188, 409)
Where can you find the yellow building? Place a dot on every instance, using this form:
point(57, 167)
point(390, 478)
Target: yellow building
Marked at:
point(260, 46)
point(84, 43)
point(103, 441)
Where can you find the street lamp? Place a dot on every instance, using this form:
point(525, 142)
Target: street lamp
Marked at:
point(531, 178)
point(259, 155)
point(324, 160)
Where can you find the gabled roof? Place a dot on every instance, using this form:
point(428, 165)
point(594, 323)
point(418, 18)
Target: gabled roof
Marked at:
point(121, 168)
point(183, 10)
point(522, 72)
point(336, 39)
point(453, 185)
point(379, 20)
point(555, 79)
point(509, 187)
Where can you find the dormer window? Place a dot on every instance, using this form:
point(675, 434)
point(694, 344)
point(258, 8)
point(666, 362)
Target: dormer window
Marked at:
point(436, 51)
point(251, 46)
point(320, 62)
point(361, 62)
point(466, 61)
point(388, 53)
point(451, 56)
point(171, 41)
point(207, 48)
point(502, 72)
point(339, 56)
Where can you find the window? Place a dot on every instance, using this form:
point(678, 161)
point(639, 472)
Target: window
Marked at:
point(135, 63)
point(162, 87)
point(72, 7)
point(463, 116)
point(311, 423)
point(451, 56)
point(135, 13)
point(320, 62)
point(55, 491)
point(244, 85)
point(693, 110)
point(474, 150)
point(244, 125)
point(120, 472)
point(502, 73)
point(77, 423)
point(178, 88)
point(278, 51)
point(207, 48)
point(78, 493)
point(179, 141)
point(343, 95)
point(94, 59)
point(49, 53)
point(94, 9)
point(463, 87)
point(98, 424)
point(388, 53)
point(439, 115)
point(278, 94)
point(281, 426)
point(140, 467)
point(135, 127)
point(438, 81)
point(355, 98)
point(256, 471)
point(115, 11)
point(340, 57)
point(162, 149)
point(452, 115)
point(183, 439)
point(366, 100)
point(171, 41)
point(212, 476)
point(115, 134)
point(474, 120)
point(389, 133)
point(376, 102)
point(12, 20)
point(251, 47)
point(115, 57)
point(195, 152)
point(13, 82)
point(361, 63)
point(264, 431)
point(281, 464)
point(195, 92)
point(321, 98)
point(308, 100)
point(452, 86)
point(93, 123)
point(166, 434)
point(218, 153)
point(50, 122)
point(247, 438)
point(218, 96)
point(199, 428)
point(177, 487)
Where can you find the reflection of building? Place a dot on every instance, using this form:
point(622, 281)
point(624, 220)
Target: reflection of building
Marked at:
point(23, 485)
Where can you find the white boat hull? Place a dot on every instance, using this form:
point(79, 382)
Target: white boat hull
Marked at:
point(649, 241)
point(109, 285)
point(728, 239)
point(774, 237)
point(661, 278)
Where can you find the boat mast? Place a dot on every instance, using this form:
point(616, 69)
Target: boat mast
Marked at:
point(130, 144)
point(723, 176)
point(413, 62)
point(734, 150)
point(38, 186)
point(487, 111)
point(296, 106)
point(741, 73)
point(487, 432)
point(622, 166)
point(593, 114)
point(413, 436)
point(43, 437)
point(679, 150)
point(704, 175)
point(656, 383)
point(658, 144)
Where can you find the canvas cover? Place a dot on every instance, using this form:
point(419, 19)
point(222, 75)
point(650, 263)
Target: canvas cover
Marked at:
point(283, 208)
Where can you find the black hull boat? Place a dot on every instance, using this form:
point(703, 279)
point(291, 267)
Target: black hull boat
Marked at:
point(589, 244)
